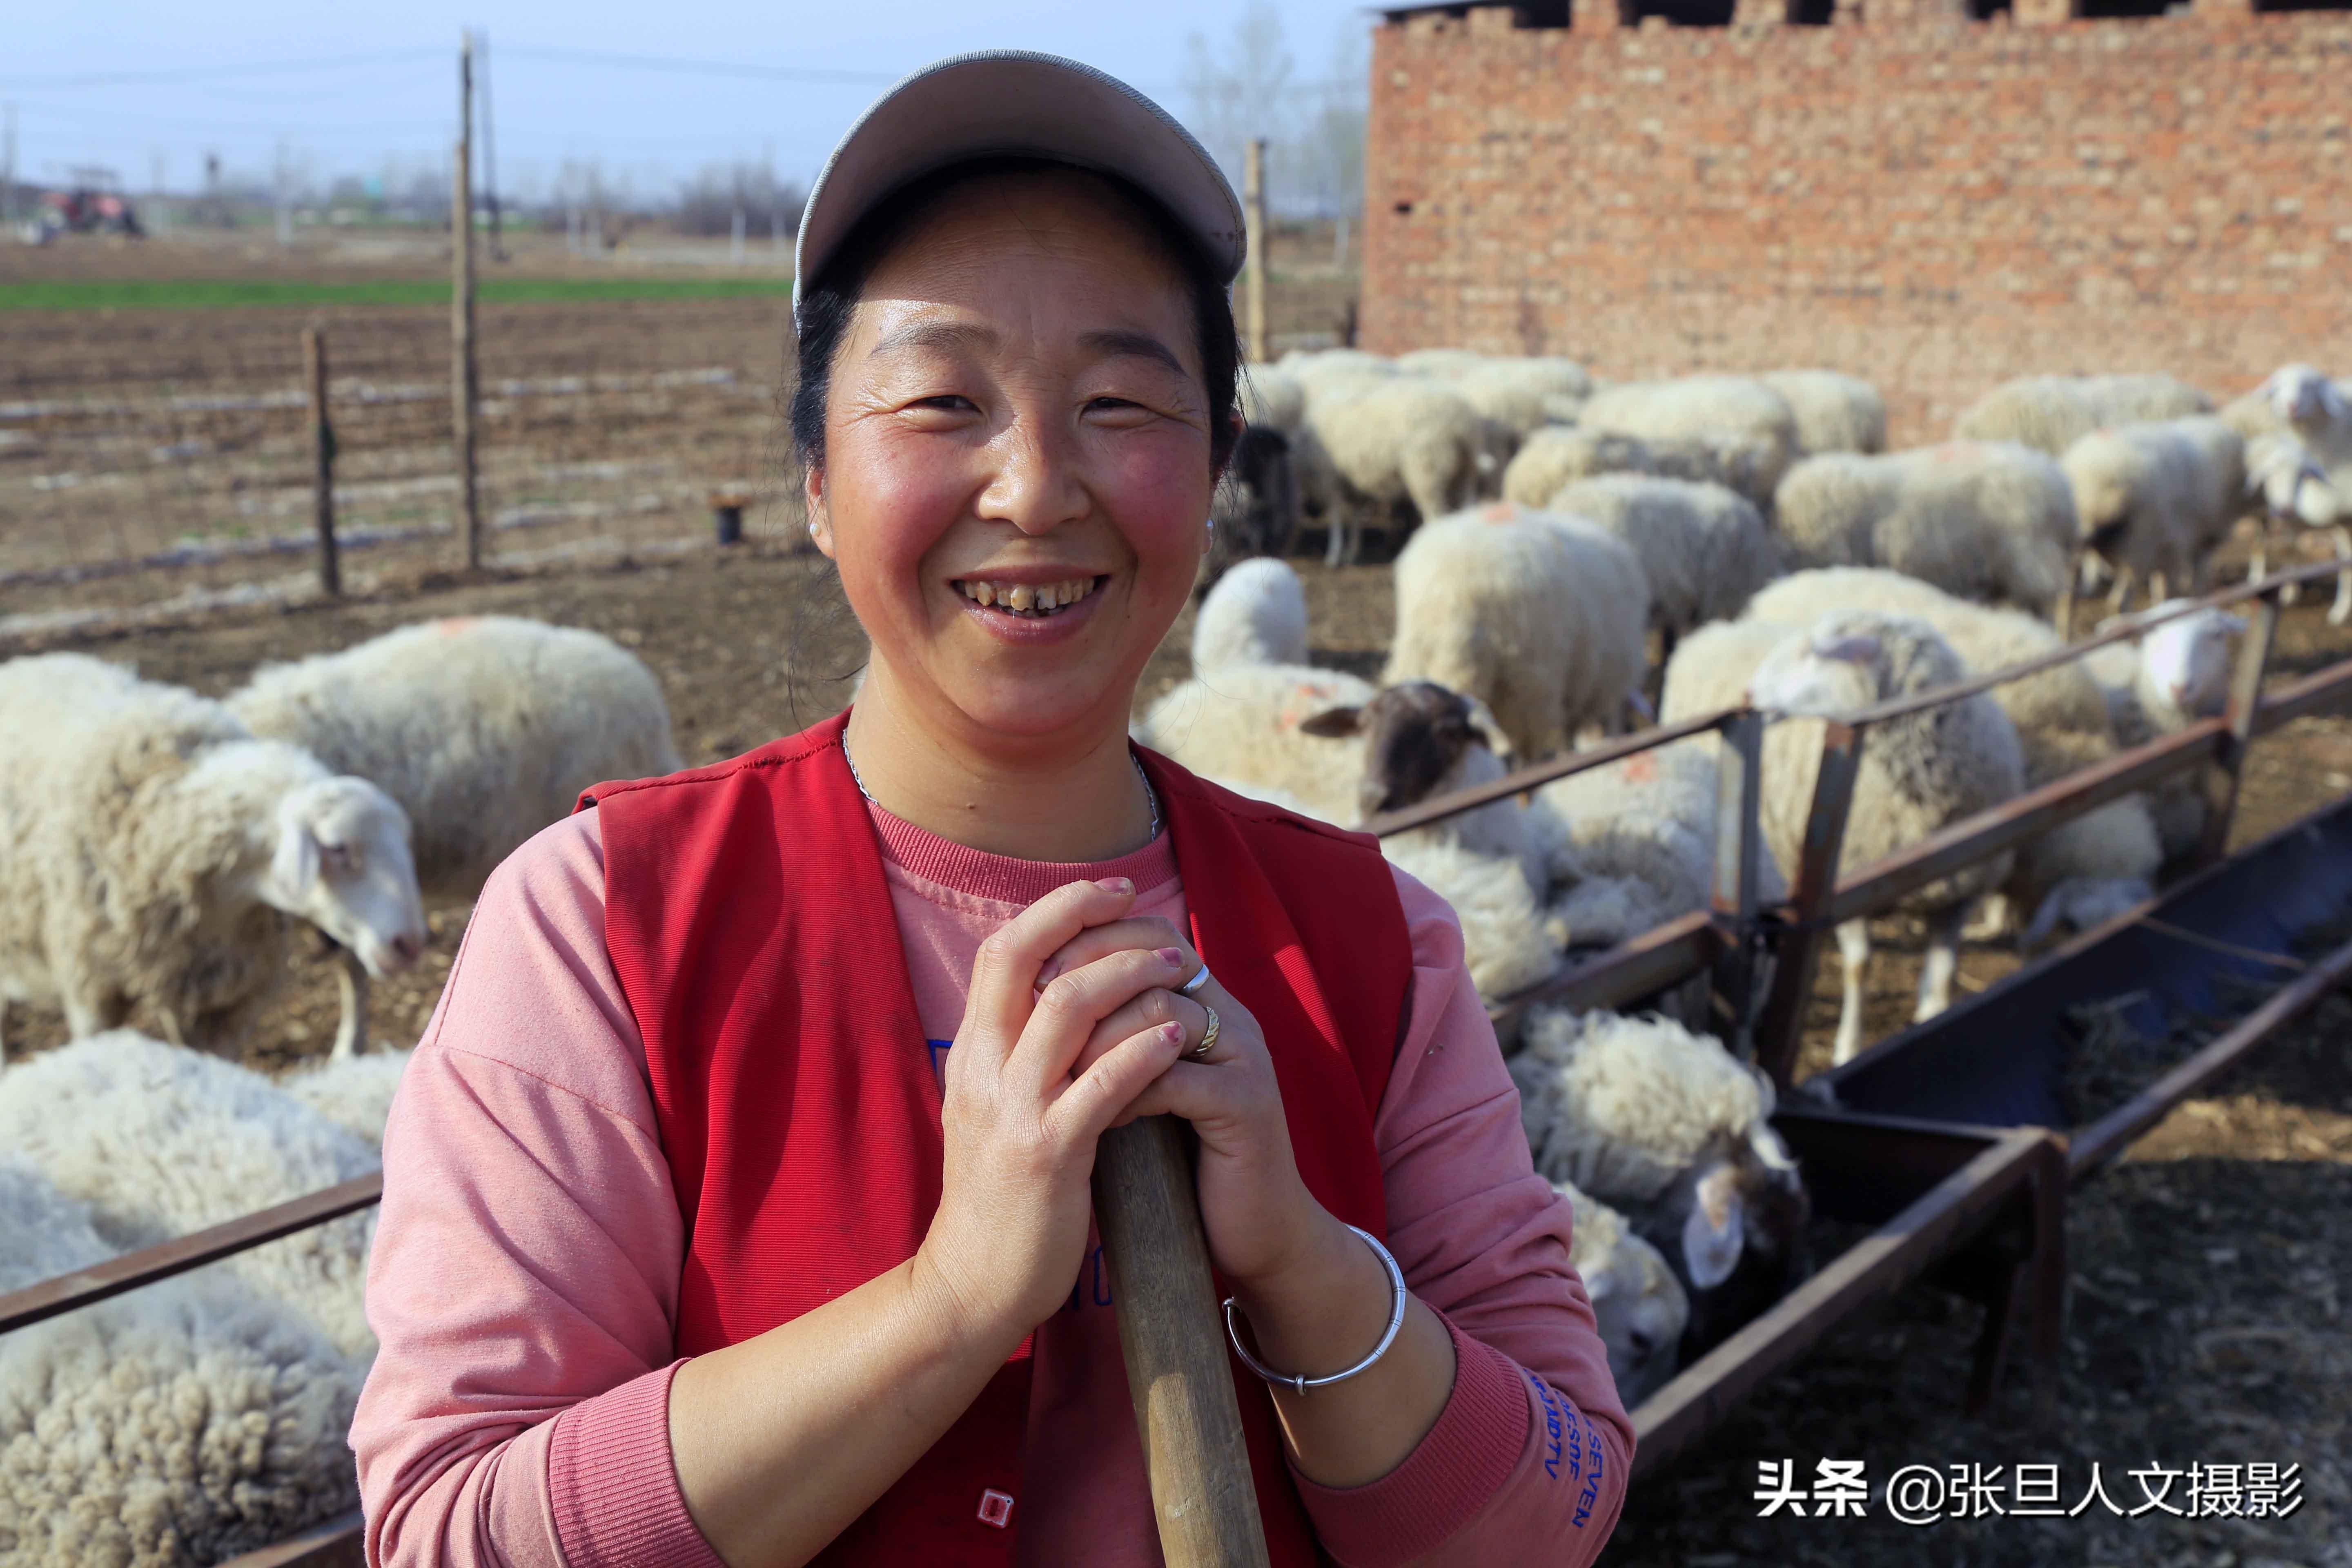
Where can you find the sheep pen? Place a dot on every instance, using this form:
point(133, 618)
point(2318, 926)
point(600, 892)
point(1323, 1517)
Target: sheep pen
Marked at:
point(734, 677)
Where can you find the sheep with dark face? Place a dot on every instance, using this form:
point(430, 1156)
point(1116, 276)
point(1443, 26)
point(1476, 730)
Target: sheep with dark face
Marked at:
point(1256, 510)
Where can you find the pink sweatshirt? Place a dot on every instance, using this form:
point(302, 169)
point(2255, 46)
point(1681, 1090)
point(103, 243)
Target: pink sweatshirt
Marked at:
point(525, 1272)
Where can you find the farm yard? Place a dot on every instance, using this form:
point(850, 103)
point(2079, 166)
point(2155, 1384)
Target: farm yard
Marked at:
point(2209, 1268)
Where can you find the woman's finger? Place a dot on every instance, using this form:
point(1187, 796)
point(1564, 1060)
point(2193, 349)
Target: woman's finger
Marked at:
point(1005, 969)
point(1097, 942)
point(1099, 1097)
point(1151, 1009)
point(1069, 1009)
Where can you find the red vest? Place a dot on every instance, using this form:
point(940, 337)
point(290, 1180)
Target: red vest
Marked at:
point(750, 924)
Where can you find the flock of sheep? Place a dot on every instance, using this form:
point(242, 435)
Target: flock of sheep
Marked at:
point(157, 848)
point(1786, 562)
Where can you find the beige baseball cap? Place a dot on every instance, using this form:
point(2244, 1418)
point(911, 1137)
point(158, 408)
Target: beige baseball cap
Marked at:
point(1017, 103)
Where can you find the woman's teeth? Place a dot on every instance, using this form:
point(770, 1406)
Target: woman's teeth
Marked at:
point(1027, 598)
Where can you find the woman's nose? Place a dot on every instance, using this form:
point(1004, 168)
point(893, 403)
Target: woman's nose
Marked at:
point(1036, 486)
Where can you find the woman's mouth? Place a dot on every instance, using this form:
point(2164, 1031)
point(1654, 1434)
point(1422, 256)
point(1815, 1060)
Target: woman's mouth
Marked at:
point(1027, 601)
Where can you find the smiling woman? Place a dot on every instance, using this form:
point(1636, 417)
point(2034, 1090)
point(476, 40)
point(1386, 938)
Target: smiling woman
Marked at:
point(690, 1253)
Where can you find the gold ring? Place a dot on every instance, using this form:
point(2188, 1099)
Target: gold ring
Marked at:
point(1208, 1036)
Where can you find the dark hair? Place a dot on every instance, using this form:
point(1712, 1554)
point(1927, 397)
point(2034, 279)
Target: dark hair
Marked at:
point(828, 300)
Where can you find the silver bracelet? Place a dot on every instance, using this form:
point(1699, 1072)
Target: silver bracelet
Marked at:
point(1300, 1384)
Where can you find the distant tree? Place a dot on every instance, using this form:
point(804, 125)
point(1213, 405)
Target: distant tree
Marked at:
point(1246, 85)
point(708, 203)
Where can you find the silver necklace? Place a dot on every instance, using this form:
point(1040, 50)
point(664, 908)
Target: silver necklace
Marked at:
point(1150, 795)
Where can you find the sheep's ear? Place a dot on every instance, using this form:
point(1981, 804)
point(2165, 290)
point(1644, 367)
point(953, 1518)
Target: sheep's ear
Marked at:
point(1482, 719)
point(1333, 723)
point(1716, 1232)
point(294, 864)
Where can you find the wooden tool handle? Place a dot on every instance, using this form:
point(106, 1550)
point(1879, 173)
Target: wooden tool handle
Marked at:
point(1174, 1341)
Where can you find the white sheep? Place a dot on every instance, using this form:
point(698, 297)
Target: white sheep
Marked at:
point(1271, 396)
point(1704, 550)
point(1400, 445)
point(1920, 773)
point(1503, 937)
point(160, 1142)
point(1639, 1306)
point(1256, 613)
point(1540, 617)
point(187, 1421)
point(1708, 407)
point(1991, 520)
point(484, 729)
point(2298, 429)
point(2293, 488)
point(1523, 395)
point(354, 1093)
point(2050, 412)
point(2082, 871)
point(149, 847)
point(1669, 1127)
point(2178, 674)
point(1241, 724)
point(1835, 412)
point(2154, 498)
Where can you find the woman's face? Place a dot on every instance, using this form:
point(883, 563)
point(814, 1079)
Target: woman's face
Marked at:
point(1017, 474)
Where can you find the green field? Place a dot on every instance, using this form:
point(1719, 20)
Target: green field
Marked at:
point(225, 293)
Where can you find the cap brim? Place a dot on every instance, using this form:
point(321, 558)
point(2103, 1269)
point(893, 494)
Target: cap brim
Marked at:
point(1016, 103)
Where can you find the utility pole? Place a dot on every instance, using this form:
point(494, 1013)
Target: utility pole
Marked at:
point(322, 459)
point(285, 212)
point(9, 164)
point(1253, 266)
point(464, 382)
point(491, 154)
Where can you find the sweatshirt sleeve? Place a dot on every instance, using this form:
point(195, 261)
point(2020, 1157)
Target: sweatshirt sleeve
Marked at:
point(1529, 1461)
point(525, 1258)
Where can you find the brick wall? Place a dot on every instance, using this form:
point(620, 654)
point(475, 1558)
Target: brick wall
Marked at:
point(1935, 203)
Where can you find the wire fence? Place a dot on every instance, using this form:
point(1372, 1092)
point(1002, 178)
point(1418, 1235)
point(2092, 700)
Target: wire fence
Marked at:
point(149, 455)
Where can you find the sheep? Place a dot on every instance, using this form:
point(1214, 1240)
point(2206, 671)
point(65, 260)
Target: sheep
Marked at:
point(1712, 408)
point(1639, 1306)
point(1272, 397)
point(2294, 489)
point(1441, 364)
point(1256, 508)
point(2083, 870)
point(1669, 1127)
point(151, 848)
point(1558, 454)
point(160, 1142)
point(1835, 412)
point(1919, 772)
point(1990, 520)
point(1540, 617)
point(2178, 674)
point(484, 729)
point(2050, 412)
point(1243, 723)
point(355, 1094)
point(184, 1422)
point(1640, 845)
point(1256, 614)
point(1524, 395)
point(1503, 939)
point(1703, 549)
point(1399, 442)
point(2154, 498)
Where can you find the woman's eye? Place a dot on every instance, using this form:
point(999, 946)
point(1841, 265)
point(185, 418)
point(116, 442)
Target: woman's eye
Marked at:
point(947, 403)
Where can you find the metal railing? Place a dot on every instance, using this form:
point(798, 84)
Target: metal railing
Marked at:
point(1731, 936)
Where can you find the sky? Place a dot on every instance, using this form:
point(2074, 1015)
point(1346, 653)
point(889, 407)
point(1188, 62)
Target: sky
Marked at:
point(376, 88)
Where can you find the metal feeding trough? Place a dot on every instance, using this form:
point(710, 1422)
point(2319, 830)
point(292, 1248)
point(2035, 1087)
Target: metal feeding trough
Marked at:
point(1998, 1058)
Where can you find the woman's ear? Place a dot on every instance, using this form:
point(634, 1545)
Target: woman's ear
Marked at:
point(820, 517)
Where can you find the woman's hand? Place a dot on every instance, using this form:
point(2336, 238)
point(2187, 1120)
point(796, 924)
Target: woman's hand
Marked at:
point(1034, 1077)
point(1263, 1224)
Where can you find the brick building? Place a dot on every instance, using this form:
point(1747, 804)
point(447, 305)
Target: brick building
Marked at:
point(1916, 191)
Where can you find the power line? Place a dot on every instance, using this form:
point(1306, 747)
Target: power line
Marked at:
point(204, 73)
point(703, 67)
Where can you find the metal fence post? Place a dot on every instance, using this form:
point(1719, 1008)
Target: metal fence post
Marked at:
point(1737, 844)
point(2245, 703)
point(1798, 952)
point(465, 381)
